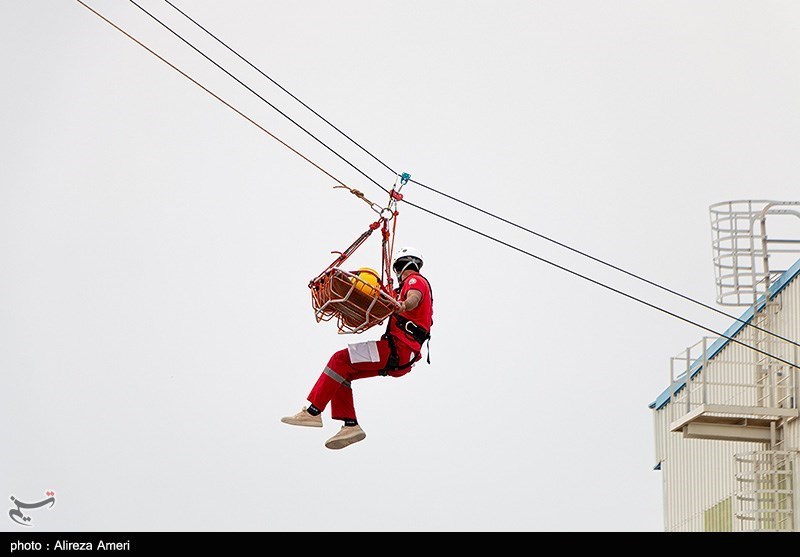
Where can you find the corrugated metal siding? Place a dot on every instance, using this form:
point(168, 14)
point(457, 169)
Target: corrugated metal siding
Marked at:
point(792, 441)
point(791, 323)
point(699, 474)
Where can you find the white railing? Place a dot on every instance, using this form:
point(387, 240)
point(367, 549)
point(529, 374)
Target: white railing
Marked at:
point(699, 378)
point(746, 259)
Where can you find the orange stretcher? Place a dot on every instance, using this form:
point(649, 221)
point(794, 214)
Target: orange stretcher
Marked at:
point(356, 304)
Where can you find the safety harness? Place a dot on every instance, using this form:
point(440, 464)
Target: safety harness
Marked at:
point(416, 332)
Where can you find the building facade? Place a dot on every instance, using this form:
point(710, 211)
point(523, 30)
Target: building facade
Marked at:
point(727, 433)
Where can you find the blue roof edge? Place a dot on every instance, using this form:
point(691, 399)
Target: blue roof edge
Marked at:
point(737, 326)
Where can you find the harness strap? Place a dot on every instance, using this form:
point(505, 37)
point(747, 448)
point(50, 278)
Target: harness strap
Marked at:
point(417, 332)
point(393, 362)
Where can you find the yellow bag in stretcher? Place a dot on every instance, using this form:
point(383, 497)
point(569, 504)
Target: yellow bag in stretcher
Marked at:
point(355, 298)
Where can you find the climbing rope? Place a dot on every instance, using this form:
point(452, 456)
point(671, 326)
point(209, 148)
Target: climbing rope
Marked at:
point(356, 304)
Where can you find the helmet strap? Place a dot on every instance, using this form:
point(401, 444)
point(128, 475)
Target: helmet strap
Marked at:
point(403, 270)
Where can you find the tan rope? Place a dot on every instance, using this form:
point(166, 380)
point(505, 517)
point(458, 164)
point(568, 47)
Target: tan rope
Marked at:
point(220, 99)
point(358, 194)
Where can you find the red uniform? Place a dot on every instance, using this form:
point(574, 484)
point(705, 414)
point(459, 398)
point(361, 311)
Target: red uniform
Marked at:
point(422, 315)
point(370, 359)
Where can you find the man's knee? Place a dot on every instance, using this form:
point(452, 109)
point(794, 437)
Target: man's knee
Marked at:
point(340, 360)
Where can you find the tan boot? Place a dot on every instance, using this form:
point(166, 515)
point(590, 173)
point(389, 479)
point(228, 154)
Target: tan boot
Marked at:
point(303, 418)
point(346, 436)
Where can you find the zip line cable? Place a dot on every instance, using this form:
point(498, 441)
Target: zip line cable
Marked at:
point(165, 26)
point(632, 297)
point(220, 99)
point(610, 265)
point(465, 203)
point(511, 246)
point(281, 87)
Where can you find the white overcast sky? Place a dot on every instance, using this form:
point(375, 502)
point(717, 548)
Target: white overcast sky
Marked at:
point(156, 247)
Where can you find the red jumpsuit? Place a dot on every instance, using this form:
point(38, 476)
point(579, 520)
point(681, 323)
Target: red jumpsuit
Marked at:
point(335, 382)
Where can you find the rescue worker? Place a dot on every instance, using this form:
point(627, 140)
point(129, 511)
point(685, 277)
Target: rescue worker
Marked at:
point(394, 354)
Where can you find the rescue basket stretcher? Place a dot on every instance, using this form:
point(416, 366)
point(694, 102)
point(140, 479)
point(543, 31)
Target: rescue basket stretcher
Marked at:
point(356, 304)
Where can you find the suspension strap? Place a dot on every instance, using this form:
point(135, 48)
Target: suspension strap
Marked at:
point(387, 241)
point(344, 255)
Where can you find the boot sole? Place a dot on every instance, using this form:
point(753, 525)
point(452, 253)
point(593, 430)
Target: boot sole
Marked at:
point(344, 442)
point(304, 424)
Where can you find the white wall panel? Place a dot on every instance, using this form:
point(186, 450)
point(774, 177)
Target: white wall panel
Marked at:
point(698, 473)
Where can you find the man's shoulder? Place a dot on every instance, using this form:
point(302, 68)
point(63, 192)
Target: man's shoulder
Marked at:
point(417, 281)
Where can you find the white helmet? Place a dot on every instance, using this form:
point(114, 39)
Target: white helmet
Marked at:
point(407, 257)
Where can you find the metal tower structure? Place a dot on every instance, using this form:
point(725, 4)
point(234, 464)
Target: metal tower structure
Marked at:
point(727, 392)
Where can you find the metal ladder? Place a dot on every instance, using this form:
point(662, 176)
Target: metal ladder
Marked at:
point(765, 494)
